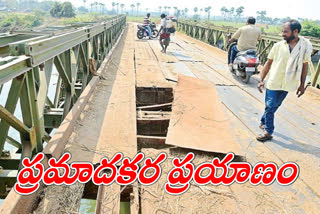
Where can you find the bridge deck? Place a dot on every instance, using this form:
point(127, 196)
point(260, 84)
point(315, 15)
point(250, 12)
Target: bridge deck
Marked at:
point(296, 137)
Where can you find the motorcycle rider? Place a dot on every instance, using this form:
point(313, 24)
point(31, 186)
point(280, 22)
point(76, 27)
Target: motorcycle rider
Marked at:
point(247, 37)
point(146, 24)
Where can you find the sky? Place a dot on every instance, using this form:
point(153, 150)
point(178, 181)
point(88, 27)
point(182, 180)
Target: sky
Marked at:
point(275, 8)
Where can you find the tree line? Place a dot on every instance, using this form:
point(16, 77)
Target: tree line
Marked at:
point(233, 14)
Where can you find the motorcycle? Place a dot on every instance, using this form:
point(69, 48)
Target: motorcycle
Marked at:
point(142, 31)
point(245, 64)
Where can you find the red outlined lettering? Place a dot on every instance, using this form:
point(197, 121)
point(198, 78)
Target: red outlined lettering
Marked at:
point(105, 164)
point(263, 173)
point(28, 179)
point(52, 174)
point(177, 182)
point(282, 179)
point(242, 171)
point(224, 179)
point(128, 171)
point(84, 172)
point(203, 180)
point(155, 165)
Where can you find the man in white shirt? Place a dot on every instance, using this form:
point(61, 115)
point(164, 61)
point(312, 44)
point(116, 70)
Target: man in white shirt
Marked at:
point(164, 35)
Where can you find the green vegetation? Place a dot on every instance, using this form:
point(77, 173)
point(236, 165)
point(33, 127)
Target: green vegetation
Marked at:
point(18, 21)
point(26, 6)
point(89, 17)
point(231, 13)
point(275, 29)
point(62, 10)
point(10, 21)
point(310, 28)
point(34, 13)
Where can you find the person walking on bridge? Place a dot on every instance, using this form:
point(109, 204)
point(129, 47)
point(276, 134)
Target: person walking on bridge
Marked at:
point(287, 66)
point(247, 37)
point(164, 37)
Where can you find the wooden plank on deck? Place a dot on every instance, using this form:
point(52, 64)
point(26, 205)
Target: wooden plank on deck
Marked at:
point(198, 120)
point(118, 132)
point(108, 199)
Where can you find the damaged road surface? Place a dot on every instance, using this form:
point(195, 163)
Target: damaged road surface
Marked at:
point(180, 102)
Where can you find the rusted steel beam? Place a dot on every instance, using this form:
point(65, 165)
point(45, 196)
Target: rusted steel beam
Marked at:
point(227, 29)
point(14, 68)
point(59, 140)
point(13, 142)
point(16, 203)
point(13, 121)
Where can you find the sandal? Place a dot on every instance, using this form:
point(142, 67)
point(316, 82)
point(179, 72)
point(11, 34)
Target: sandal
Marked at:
point(264, 137)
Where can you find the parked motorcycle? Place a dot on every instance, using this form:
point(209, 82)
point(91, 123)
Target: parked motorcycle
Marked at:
point(245, 64)
point(142, 31)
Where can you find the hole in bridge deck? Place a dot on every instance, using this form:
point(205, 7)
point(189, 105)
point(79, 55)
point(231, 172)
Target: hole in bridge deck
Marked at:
point(146, 96)
point(89, 203)
point(87, 206)
point(125, 199)
point(154, 106)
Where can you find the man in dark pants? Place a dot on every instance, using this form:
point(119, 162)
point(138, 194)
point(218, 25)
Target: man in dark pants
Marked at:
point(288, 67)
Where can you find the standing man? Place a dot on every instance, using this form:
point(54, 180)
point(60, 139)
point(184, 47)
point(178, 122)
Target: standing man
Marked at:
point(146, 23)
point(288, 67)
point(164, 34)
point(247, 37)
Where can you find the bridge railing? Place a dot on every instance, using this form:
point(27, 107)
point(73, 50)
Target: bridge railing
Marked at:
point(29, 60)
point(219, 35)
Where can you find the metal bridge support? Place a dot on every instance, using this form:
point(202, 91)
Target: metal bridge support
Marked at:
point(29, 60)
